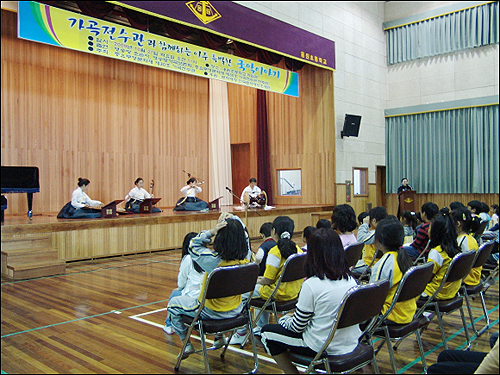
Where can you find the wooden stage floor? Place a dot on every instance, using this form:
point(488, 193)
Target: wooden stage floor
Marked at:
point(167, 214)
point(78, 239)
point(105, 316)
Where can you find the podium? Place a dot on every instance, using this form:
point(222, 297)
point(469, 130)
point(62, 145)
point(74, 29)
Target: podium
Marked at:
point(109, 210)
point(146, 206)
point(407, 201)
point(214, 205)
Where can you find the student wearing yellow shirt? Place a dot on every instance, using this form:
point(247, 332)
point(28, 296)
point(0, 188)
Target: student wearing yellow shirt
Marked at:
point(282, 232)
point(395, 261)
point(463, 220)
point(231, 247)
point(366, 234)
point(444, 246)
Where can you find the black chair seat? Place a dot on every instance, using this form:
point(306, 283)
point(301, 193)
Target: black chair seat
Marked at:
point(489, 266)
point(280, 305)
point(474, 289)
point(219, 325)
point(303, 359)
point(445, 305)
point(339, 363)
point(398, 330)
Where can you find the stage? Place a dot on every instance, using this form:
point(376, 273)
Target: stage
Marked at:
point(42, 246)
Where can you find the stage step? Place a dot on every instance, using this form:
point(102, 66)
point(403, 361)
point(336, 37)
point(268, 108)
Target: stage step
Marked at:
point(26, 242)
point(22, 271)
point(29, 257)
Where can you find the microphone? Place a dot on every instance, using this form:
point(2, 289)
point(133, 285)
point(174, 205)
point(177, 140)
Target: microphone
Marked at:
point(229, 189)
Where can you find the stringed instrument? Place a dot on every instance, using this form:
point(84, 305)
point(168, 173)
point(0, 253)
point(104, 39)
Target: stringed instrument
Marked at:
point(198, 182)
point(259, 199)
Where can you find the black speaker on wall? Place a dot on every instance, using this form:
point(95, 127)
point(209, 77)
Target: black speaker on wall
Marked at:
point(351, 126)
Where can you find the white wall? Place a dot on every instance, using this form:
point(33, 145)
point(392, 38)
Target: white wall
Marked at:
point(366, 86)
point(465, 74)
point(360, 76)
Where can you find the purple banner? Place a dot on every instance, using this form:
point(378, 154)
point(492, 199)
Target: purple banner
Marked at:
point(240, 23)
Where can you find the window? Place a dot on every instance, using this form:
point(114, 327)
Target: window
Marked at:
point(360, 181)
point(290, 182)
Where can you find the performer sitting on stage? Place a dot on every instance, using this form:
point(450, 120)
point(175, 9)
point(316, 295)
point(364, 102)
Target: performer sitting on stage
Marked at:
point(81, 206)
point(253, 196)
point(136, 196)
point(189, 202)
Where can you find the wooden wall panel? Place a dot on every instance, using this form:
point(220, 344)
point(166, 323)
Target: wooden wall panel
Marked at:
point(442, 200)
point(302, 136)
point(78, 115)
point(243, 122)
point(357, 203)
point(74, 115)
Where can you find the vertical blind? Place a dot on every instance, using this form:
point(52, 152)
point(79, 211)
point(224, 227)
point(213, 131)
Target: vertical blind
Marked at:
point(468, 28)
point(452, 151)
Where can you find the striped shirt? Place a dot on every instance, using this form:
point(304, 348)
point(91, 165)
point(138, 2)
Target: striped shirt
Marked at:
point(317, 306)
point(422, 237)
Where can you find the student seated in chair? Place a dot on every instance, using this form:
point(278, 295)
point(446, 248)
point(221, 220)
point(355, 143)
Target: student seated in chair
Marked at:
point(231, 247)
point(328, 279)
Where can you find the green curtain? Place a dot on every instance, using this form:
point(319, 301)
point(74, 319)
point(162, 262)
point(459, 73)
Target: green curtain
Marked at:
point(468, 28)
point(451, 151)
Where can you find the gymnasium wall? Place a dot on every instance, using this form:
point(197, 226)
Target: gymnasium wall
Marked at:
point(74, 114)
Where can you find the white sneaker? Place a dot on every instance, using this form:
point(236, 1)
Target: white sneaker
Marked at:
point(219, 341)
point(168, 329)
point(237, 339)
point(428, 315)
point(256, 331)
point(189, 350)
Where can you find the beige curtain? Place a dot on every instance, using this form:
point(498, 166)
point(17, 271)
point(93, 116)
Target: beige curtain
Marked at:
point(219, 159)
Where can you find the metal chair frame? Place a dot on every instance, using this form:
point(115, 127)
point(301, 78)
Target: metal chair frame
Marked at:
point(350, 313)
point(481, 257)
point(411, 286)
point(353, 253)
point(243, 279)
point(285, 276)
point(464, 261)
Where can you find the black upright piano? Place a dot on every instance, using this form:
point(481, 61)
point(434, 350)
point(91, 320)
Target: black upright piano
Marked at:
point(20, 180)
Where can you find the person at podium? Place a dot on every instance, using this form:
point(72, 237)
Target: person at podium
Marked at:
point(81, 206)
point(253, 196)
point(189, 202)
point(136, 196)
point(404, 187)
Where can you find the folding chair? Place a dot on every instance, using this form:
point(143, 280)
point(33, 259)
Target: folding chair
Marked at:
point(353, 253)
point(365, 275)
point(459, 267)
point(421, 256)
point(479, 232)
point(472, 290)
point(293, 269)
point(411, 286)
point(242, 280)
point(360, 303)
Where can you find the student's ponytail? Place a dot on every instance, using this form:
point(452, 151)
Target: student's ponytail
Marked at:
point(284, 227)
point(444, 234)
point(390, 234)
